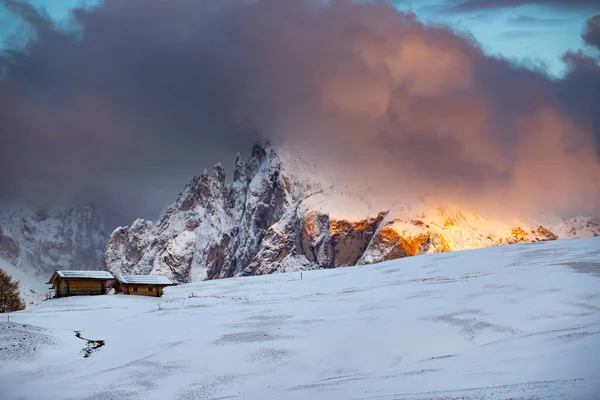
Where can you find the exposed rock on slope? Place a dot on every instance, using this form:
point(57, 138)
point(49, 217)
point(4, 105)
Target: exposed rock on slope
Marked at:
point(213, 229)
point(39, 241)
point(274, 216)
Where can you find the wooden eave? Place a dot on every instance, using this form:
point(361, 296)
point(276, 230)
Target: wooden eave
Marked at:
point(145, 284)
point(73, 278)
point(52, 279)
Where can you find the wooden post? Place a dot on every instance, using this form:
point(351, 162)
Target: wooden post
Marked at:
point(300, 275)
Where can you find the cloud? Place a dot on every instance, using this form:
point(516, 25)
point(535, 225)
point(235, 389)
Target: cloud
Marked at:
point(535, 20)
point(580, 88)
point(591, 36)
point(140, 95)
point(122, 110)
point(482, 5)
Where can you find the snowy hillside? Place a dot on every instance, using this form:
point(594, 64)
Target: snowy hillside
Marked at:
point(282, 214)
point(517, 322)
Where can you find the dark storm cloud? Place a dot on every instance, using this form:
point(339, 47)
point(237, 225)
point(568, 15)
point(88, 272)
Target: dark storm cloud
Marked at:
point(141, 94)
point(479, 5)
point(580, 89)
point(123, 110)
point(592, 32)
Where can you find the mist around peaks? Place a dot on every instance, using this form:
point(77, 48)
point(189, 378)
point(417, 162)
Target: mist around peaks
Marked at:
point(389, 106)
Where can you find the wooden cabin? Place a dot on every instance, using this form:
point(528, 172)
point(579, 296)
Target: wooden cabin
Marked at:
point(80, 283)
point(141, 285)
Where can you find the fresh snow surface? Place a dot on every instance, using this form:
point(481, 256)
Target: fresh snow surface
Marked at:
point(144, 279)
point(520, 322)
point(85, 274)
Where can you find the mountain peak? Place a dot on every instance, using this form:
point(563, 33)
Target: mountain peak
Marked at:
point(259, 150)
point(219, 173)
point(281, 214)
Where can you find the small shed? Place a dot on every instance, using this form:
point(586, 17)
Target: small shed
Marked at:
point(141, 285)
point(80, 283)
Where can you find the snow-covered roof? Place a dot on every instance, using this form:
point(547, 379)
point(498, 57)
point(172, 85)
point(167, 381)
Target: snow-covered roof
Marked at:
point(144, 279)
point(84, 274)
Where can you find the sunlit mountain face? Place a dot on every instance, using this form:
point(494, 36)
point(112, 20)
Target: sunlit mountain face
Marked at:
point(280, 213)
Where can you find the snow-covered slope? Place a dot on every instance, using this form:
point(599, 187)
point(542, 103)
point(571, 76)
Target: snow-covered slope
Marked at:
point(282, 214)
point(518, 322)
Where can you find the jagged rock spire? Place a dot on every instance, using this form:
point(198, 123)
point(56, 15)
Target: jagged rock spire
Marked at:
point(239, 172)
point(219, 173)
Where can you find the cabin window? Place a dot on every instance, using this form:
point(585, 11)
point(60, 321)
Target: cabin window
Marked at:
point(151, 289)
point(135, 289)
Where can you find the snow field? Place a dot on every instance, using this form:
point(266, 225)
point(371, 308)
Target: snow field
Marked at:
point(519, 321)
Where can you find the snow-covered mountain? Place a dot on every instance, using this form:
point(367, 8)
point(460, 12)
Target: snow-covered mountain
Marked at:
point(280, 214)
point(36, 241)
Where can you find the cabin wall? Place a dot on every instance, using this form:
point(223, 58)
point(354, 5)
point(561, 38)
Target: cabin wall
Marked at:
point(143, 290)
point(80, 287)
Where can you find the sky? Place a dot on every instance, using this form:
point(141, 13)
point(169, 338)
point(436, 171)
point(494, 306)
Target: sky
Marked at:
point(136, 97)
point(536, 33)
point(59, 10)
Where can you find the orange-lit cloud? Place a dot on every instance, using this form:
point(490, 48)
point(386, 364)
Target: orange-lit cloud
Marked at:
point(395, 108)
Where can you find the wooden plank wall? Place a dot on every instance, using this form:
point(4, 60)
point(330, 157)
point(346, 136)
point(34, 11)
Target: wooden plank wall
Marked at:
point(82, 287)
point(142, 290)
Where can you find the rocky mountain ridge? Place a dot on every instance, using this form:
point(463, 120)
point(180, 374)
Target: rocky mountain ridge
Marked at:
point(40, 240)
point(275, 216)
